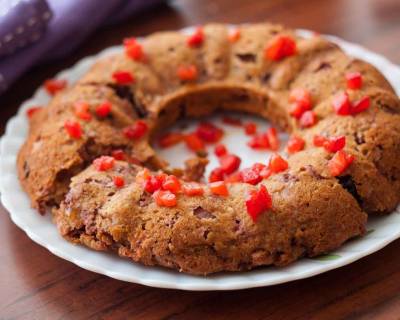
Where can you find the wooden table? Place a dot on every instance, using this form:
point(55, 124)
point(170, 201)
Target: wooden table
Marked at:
point(34, 284)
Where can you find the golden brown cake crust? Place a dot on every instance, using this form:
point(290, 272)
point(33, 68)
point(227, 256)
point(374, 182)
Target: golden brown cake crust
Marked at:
point(312, 212)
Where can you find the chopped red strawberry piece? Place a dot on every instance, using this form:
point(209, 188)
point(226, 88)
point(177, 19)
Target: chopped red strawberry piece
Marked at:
point(277, 163)
point(339, 163)
point(258, 167)
point(280, 47)
point(208, 132)
point(52, 86)
point(232, 121)
point(333, 144)
point(259, 141)
point(295, 144)
point(103, 163)
point(123, 77)
point(172, 184)
point(220, 150)
point(193, 142)
point(301, 102)
point(119, 181)
point(165, 198)
point(234, 177)
point(229, 163)
point(133, 49)
point(152, 184)
point(341, 104)
point(32, 110)
point(250, 175)
point(82, 110)
point(354, 80)
point(234, 36)
point(319, 140)
point(308, 119)
point(103, 109)
point(258, 202)
point(266, 173)
point(250, 128)
point(136, 130)
point(170, 139)
point(73, 128)
point(360, 105)
point(273, 139)
point(192, 189)
point(187, 73)
point(219, 188)
point(118, 154)
point(216, 174)
point(196, 39)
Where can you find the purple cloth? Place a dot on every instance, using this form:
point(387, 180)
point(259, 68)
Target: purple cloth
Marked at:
point(33, 31)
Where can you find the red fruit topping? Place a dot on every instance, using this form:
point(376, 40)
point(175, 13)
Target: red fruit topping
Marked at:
point(118, 154)
point(82, 110)
point(187, 73)
point(234, 177)
point(258, 167)
point(193, 142)
point(354, 80)
point(295, 144)
point(103, 163)
point(250, 128)
point(232, 121)
point(52, 86)
point(32, 110)
point(341, 104)
point(104, 109)
point(170, 139)
point(136, 130)
point(220, 150)
point(301, 102)
point(123, 77)
point(257, 202)
point(234, 35)
point(196, 39)
point(73, 129)
point(280, 47)
point(250, 175)
point(152, 183)
point(229, 163)
point(360, 105)
point(273, 139)
point(259, 141)
point(339, 163)
point(266, 173)
point(308, 119)
point(208, 132)
point(319, 140)
point(216, 174)
point(277, 164)
point(133, 49)
point(119, 181)
point(334, 144)
point(219, 188)
point(192, 189)
point(165, 198)
point(172, 184)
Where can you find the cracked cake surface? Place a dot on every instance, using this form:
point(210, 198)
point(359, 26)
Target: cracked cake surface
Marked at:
point(125, 99)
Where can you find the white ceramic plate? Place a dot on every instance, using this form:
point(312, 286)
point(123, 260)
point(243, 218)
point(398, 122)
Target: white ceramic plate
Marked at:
point(41, 230)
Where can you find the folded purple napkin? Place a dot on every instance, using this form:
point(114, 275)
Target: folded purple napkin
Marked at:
point(33, 31)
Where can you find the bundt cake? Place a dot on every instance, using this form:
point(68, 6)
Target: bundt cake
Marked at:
point(88, 156)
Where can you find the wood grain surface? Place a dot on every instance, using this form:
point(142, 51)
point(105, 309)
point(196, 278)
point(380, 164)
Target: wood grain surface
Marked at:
point(34, 284)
